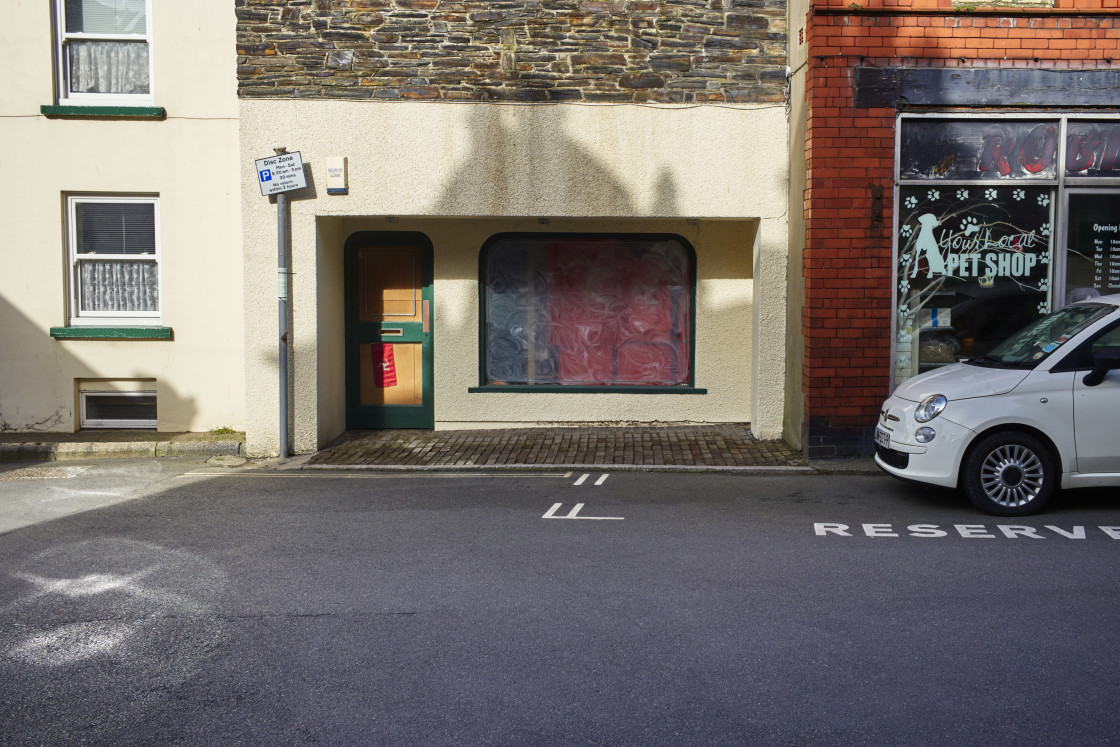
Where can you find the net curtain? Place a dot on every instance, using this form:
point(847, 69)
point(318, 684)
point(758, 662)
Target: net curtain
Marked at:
point(108, 67)
point(115, 286)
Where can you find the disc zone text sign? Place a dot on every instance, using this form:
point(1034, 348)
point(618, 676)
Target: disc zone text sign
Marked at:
point(280, 173)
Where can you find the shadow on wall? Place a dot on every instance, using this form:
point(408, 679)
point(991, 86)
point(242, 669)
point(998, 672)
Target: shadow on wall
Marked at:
point(37, 377)
point(535, 169)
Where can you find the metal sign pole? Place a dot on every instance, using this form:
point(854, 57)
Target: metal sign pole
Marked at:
point(279, 175)
point(284, 295)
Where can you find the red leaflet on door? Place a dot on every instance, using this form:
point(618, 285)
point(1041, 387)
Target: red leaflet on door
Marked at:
point(384, 365)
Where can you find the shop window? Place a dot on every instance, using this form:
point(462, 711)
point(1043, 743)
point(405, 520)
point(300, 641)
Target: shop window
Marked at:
point(973, 266)
point(114, 260)
point(1093, 245)
point(979, 149)
point(103, 51)
point(990, 235)
point(118, 410)
point(575, 310)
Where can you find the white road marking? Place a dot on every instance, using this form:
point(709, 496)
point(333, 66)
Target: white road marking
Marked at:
point(966, 531)
point(574, 514)
point(582, 478)
point(602, 479)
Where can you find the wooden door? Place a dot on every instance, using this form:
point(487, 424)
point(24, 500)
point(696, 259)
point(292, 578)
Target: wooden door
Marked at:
point(389, 331)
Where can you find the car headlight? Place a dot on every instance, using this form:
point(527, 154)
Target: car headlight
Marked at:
point(930, 408)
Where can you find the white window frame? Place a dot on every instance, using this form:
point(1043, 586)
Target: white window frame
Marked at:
point(62, 58)
point(78, 317)
point(84, 422)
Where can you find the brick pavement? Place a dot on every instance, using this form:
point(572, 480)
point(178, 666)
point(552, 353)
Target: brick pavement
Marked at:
point(726, 445)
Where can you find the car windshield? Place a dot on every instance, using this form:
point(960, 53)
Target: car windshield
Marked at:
point(1038, 340)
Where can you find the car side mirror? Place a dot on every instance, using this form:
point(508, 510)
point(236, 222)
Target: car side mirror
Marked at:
point(1104, 361)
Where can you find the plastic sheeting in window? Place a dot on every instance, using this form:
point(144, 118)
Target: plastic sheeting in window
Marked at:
point(588, 311)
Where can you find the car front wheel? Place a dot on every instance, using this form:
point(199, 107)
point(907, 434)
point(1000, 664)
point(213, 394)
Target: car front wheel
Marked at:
point(1009, 474)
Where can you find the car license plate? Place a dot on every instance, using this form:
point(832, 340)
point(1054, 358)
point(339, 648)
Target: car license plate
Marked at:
point(882, 438)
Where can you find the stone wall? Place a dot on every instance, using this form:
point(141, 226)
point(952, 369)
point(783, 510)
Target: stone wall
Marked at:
point(671, 51)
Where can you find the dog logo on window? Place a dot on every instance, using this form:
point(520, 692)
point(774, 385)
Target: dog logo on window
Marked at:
point(926, 246)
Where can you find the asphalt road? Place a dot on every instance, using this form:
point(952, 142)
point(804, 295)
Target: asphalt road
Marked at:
point(293, 608)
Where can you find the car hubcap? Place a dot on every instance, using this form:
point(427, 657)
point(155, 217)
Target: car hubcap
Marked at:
point(1011, 475)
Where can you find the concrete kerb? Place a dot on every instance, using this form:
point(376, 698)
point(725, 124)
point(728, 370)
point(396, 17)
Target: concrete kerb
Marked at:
point(820, 467)
point(68, 450)
point(435, 468)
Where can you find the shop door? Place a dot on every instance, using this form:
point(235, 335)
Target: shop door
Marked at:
point(389, 331)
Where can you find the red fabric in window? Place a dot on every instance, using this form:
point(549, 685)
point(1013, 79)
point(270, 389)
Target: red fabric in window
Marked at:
point(610, 316)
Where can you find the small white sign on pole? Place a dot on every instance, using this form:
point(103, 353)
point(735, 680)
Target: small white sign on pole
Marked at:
point(280, 173)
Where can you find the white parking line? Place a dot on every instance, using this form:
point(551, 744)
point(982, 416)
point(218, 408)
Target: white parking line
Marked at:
point(581, 480)
point(574, 514)
point(602, 480)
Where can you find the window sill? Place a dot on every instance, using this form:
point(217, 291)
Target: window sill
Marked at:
point(112, 333)
point(604, 389)
point(104, 112)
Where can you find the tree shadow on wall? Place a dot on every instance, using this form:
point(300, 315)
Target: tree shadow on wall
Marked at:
point(522, 163)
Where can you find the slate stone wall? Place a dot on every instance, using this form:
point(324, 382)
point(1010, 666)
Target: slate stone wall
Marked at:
point(671, 51)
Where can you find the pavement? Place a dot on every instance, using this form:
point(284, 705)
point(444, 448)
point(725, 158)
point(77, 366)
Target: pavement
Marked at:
point(681, 448)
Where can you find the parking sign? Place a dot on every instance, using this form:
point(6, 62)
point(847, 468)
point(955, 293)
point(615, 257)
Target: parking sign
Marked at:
point(280, 173)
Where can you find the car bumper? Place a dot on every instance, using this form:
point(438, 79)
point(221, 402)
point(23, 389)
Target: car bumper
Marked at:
point(936, 462)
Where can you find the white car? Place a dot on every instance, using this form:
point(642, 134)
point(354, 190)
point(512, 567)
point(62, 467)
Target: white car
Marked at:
point(1041, 410)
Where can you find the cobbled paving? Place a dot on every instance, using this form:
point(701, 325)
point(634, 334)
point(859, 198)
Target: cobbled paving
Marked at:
point(686, 446)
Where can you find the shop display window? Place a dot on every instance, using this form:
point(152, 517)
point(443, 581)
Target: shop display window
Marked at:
point(587, 310)
point(999, 219)
point(1093, 245)
point(973, 266)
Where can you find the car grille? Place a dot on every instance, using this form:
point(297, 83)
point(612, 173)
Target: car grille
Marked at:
point(896, 459)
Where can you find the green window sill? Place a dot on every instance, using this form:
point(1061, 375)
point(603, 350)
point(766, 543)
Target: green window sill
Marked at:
point(605, 389)
point(104, 112)
point(112, 333)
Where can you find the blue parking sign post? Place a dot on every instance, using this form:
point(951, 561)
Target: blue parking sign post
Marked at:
point(279, 175)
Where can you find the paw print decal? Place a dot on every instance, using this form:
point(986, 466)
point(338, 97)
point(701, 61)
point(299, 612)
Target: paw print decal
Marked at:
point(968, 225)
point(1044, 229)
point(911, 201)
point(1018, 194)
point(1044, 200)
point(962, 194)
point(1043, 307)
point(1044, 259)
point(905, 231)
point(904, 286)
point(933, 194)
point(990, 194)
point(1044, 285)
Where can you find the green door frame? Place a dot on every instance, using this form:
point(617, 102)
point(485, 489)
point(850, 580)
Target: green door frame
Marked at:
point(359, 416)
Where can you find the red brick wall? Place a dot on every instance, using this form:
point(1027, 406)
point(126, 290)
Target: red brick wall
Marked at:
point(846, 317)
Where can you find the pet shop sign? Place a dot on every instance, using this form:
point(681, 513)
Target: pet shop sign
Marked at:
point(974, 233)
point(972, 252)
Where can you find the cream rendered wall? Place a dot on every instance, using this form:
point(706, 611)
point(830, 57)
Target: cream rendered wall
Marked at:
point(460, 173)
point(189, 161)
point(798, 11)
